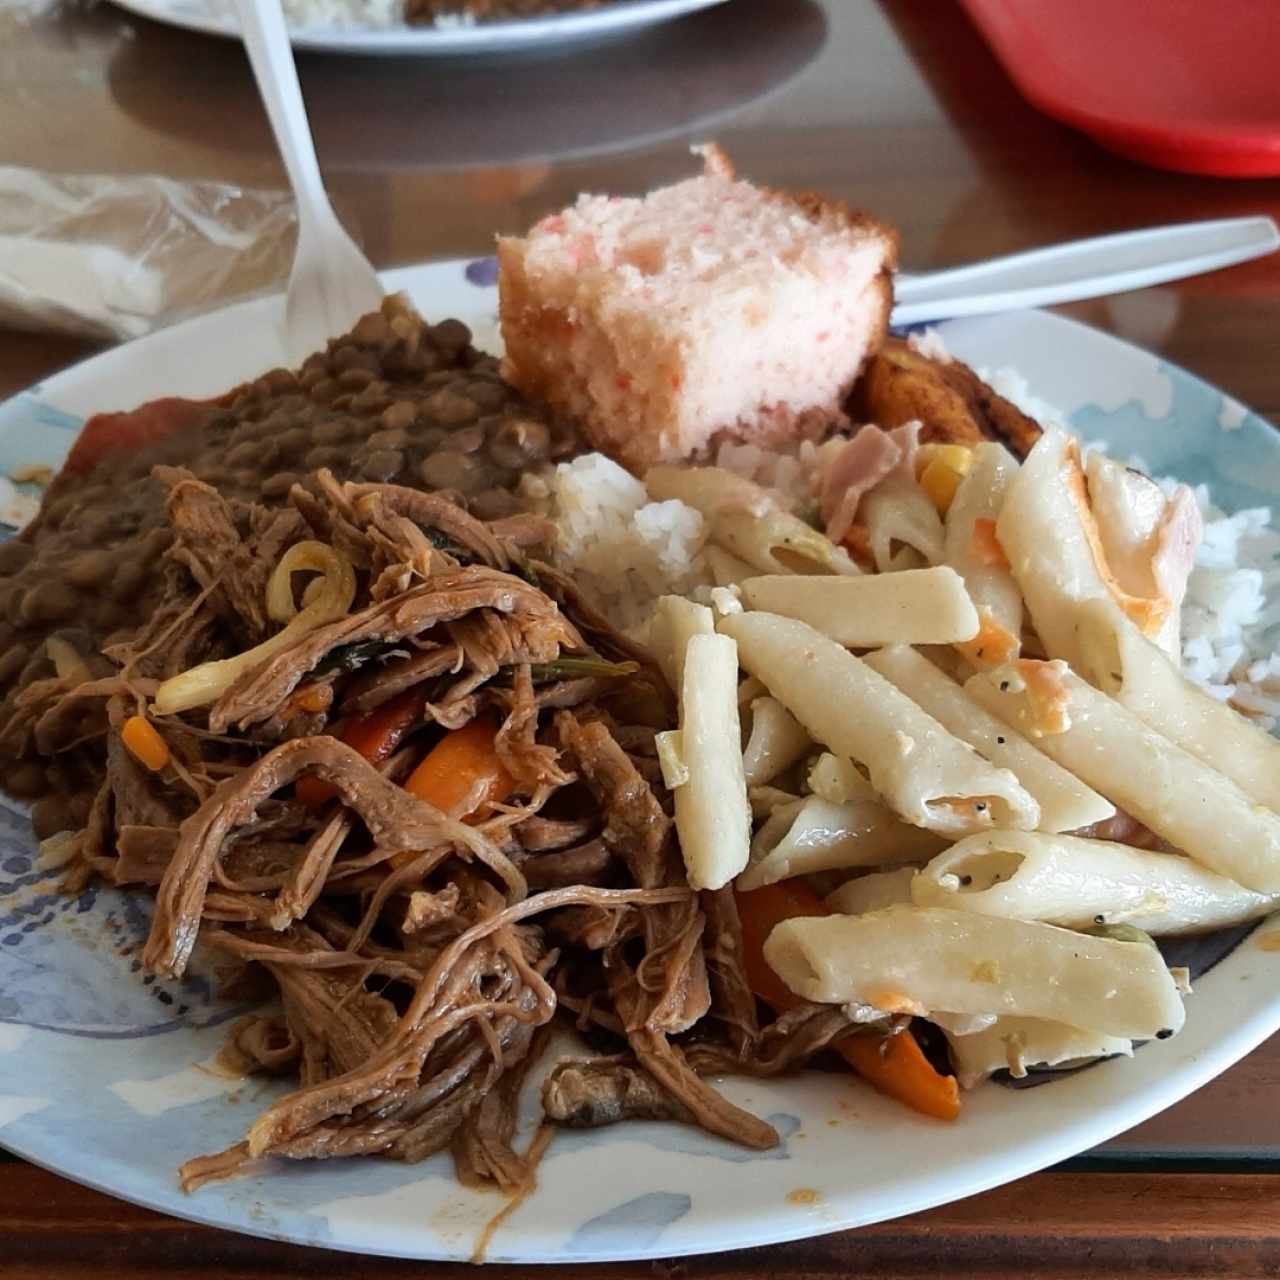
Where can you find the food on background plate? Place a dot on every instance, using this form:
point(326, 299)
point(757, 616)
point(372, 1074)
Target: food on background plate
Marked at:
point(466, 12)
point(378, 14)
point(454, 730)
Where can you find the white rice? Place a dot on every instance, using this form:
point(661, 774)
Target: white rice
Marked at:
point(928, 343)
point(627, 551)
point(622, 549)
point(1230, 636)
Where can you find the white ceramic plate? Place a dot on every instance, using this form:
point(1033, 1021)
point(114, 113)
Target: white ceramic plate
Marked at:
point(217, 18)
point(98, 1072)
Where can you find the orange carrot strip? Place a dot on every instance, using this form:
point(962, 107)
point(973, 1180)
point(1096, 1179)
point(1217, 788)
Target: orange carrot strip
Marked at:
point(896, 1065)
point(374, 735)
point(462, 771)
point(993, 646)
point(143, 742)
point(1047, 696)
point(986, 546)
point(460, 774)
point(761, 911)
point(898, 1069)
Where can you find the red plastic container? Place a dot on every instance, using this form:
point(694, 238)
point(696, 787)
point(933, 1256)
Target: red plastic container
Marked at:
point(1191, 85)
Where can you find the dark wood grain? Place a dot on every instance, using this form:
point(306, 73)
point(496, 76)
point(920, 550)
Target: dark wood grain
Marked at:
point(1053, 1224)
point(898, 107)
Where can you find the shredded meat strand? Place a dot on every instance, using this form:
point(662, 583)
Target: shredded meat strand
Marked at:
point(421, 963)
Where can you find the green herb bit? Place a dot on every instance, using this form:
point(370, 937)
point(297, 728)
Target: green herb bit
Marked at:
point(350, 657)
point(576, 668)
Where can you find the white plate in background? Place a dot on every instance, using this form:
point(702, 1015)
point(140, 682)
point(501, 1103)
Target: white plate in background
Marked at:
point(615, 18)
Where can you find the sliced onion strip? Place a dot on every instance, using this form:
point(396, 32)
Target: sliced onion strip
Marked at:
point(67, 660)
point(199, 686)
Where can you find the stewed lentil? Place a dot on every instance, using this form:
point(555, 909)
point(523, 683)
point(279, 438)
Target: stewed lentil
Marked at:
point(395, 400)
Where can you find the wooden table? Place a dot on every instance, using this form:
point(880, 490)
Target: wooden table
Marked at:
point(897, 107)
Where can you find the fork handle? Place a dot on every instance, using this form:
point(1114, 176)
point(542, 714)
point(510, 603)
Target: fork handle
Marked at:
point(1083, 269)
point(267, 40)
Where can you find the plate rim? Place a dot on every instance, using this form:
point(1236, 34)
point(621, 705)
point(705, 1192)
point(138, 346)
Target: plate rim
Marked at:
point(508, 36)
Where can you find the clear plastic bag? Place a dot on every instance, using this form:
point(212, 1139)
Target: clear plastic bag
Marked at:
point(118, 256)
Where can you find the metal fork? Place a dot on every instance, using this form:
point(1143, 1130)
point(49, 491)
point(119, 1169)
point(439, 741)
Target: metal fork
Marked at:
point(332, 283)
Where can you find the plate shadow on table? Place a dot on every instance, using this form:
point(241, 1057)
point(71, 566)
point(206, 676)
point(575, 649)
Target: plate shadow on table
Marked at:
point(681, 78)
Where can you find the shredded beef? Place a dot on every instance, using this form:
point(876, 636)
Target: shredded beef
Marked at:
point(603, 1091)
point(584, 864)
point(261, 691)
point(419, 960)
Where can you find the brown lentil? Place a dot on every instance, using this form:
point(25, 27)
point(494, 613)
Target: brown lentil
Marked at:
point(400, 416)
point(445, 469)
point(388, 440)
point(463, 440)
point(519, 442)
point(395, 400)
point(381, 465)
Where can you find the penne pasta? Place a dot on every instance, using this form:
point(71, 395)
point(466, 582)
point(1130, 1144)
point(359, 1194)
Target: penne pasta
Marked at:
point(918, 606)
point(1149, 541)
point(775, 742)
point(971, 548)
point(709, 490)
point(904, 529)
point(713, 818)
point(1121, 662)
point(814, 835)
point(918, 959)
point(1076, 883)
point(764, 800)
point(873, 892)
point(948, 660)
point(675, 621)
point(836, 778)
point(1066, 803)
point(1014, 1044)
point(726, 569)
point(778, 542)
point(926, 775)
point(1188, 803)
point(1041, 531)
point(748, 522)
